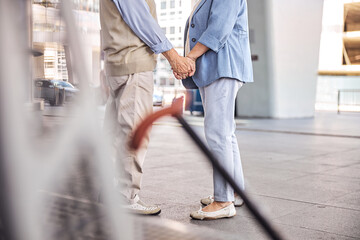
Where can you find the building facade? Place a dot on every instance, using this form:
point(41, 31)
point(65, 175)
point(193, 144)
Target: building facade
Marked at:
point(338, 86)
point(49, 37)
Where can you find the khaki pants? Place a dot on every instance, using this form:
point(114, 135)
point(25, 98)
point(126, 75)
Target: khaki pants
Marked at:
point(129, 102)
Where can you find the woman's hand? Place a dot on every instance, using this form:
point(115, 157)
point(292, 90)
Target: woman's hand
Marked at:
point(177, 76)
point(197, 51)
point(184, 66)
point(181, 65)
point(189, 73)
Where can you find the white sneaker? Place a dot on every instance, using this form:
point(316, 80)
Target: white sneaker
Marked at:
point(140, 207)
point(225, 212)
point(210, 199)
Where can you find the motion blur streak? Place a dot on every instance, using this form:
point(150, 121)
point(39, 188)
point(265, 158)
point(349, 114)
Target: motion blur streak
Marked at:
point(24, 168)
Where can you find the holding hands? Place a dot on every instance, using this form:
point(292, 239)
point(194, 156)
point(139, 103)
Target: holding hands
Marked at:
point(185, 68)
point(182, 67)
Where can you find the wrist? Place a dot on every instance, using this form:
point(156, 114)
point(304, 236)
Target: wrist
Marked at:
point(192, 57)
point(171, 55)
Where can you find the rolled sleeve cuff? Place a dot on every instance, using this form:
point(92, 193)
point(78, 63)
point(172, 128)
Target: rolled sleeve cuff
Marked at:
point(211, 42)
point(162, 47)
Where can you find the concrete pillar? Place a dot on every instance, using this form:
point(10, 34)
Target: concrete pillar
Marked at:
point(285, 35)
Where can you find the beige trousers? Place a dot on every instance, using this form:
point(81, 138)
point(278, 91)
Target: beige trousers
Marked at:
point(129, 102)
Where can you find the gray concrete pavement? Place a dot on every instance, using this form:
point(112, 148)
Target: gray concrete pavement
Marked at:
point(309, 184)
point(304, 173)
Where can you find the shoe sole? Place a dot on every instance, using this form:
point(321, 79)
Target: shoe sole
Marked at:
point(237, 205)
point(152, 214)
point(144, 214)
point(213, 218)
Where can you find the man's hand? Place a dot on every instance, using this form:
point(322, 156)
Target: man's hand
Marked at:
point(190, 69)
point(182, 66)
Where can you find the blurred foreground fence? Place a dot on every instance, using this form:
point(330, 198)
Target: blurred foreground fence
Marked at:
point(39, 199)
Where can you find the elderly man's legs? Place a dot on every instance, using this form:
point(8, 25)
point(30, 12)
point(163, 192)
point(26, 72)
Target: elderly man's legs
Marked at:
point(129, 103)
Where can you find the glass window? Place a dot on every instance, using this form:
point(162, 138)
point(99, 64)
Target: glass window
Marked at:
point(49, 64)
point(172, 30)
point(172, 3)
point(163, 4)
point(45, 83)
point(162, 81)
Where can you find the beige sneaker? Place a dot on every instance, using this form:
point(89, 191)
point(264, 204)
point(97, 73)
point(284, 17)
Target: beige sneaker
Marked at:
point(208, 200)
point(225, 212)
point(140, 207)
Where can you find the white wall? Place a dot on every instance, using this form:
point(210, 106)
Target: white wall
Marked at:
point(287, 40)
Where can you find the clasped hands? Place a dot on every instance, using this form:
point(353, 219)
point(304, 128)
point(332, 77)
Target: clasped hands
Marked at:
point(183, 67)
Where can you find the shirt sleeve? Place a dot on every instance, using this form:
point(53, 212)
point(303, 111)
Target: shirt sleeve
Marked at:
point(136, 14)
point(221, 22)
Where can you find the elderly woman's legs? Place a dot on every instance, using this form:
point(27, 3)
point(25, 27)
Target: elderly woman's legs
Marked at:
point(219, 105)
point(238, 171)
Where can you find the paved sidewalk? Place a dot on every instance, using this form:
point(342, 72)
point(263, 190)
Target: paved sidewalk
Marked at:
point(305, 179)
point(305, 173)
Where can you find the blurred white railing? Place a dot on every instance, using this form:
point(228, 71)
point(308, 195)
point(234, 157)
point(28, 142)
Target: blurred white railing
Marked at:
point(28, 162)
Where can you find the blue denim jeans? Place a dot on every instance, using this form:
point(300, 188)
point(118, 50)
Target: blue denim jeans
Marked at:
point(218, 100)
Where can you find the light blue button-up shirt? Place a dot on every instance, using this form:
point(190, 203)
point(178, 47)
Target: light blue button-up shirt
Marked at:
point(136, 13)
